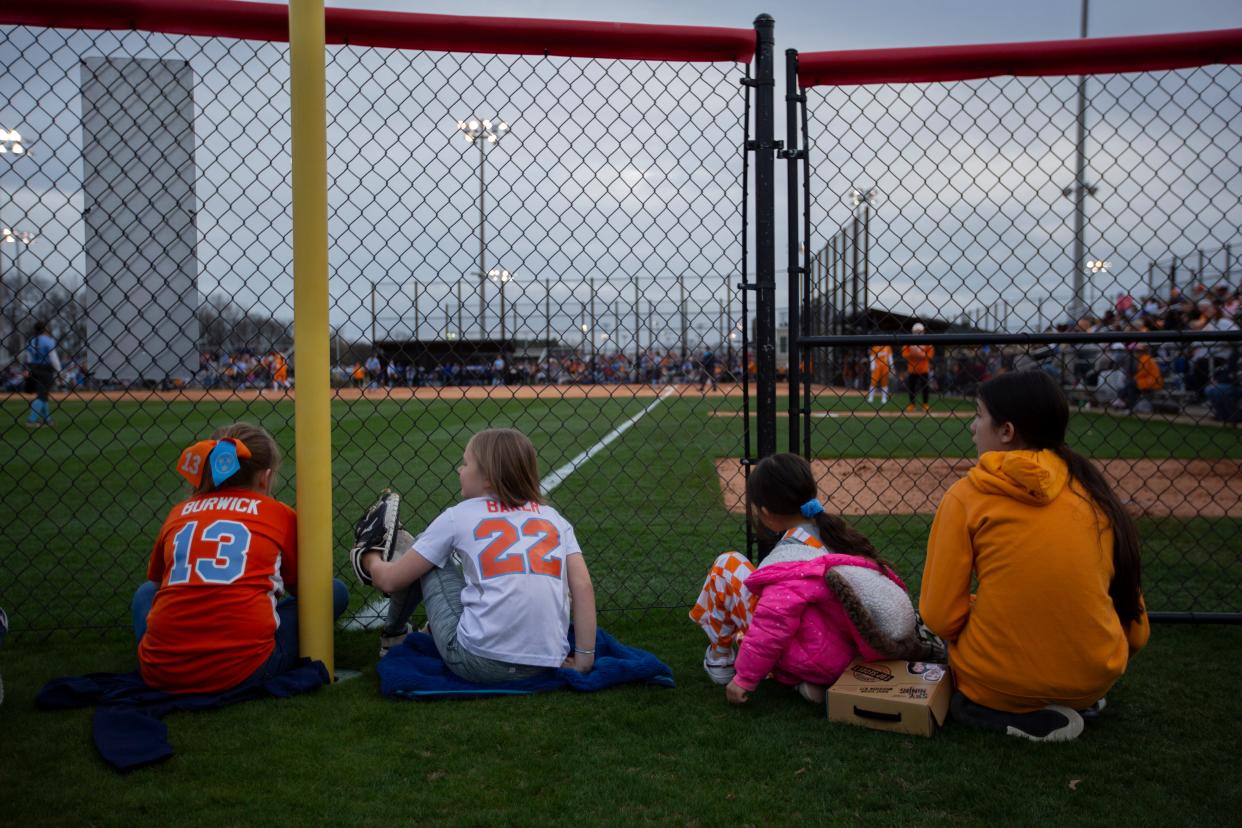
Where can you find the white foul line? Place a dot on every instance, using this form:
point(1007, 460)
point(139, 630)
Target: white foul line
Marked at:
point(372, 615)
point(557, 477)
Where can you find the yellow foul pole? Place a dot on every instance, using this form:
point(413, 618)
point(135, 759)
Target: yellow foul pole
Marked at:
point(312, 423)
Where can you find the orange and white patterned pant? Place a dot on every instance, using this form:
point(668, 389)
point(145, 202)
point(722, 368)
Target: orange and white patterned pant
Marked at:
point(725, 607)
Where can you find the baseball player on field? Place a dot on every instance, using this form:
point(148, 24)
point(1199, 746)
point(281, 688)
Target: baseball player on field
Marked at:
point(918, 368)
point(881, 365)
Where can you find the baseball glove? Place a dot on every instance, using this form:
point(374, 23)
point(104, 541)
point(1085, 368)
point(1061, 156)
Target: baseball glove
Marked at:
point(376, 531)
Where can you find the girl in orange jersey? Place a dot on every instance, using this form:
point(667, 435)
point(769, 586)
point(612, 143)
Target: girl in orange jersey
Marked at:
point(1058, 609)
point(210, 617)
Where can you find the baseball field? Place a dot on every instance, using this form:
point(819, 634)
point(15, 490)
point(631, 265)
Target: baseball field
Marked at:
point(650, 481)
point(659, 493)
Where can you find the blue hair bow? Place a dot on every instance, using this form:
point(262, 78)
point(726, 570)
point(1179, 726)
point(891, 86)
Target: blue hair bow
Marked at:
point(223, 462)
point(220, 457)
point(811, 508)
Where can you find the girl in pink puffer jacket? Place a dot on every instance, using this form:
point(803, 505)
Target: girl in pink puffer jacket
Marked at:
point(783, 616)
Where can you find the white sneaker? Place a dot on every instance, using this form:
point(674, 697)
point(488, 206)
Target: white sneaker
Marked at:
point(1060, 724)
point(720, 674)
point(814, 693)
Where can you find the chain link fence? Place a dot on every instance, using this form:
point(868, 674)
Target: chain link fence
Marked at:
point(549, 243)
point(1086, 225)
point(555, 238)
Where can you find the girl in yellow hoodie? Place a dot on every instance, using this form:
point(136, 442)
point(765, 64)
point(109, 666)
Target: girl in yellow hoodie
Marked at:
point(1058, 609)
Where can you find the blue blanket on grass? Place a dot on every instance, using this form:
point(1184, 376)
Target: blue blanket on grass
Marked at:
point(126, 728)
point(415, 670)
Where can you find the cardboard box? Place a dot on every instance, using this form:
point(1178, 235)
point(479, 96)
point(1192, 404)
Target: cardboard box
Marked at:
point(901, 696)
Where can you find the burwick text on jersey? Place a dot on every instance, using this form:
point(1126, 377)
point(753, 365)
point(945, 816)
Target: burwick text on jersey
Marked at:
point(493, 506)
point(246, 505)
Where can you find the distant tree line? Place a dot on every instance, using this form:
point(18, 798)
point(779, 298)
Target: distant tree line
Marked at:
point(224, 325)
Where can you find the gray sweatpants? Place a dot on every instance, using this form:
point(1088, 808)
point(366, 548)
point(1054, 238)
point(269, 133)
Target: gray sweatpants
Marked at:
point(442, 588)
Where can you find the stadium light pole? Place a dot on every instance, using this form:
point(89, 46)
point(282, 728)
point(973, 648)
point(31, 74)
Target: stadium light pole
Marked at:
point(1080, 189)
point(501, 276)
point(11, 236)
point(11, 145)
point(1093, 267)
point(11, 142)
point(862, 201)
point(21, 238)
point(482, 132)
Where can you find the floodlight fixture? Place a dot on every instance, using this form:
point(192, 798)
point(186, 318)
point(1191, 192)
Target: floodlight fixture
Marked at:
point(11, 141)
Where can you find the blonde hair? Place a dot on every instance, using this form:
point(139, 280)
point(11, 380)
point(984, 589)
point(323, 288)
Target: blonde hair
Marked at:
point(508, 463)
point(264, 455)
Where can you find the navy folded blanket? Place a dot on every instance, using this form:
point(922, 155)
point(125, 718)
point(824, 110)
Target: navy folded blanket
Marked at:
point(126, 728)
point(415, 670)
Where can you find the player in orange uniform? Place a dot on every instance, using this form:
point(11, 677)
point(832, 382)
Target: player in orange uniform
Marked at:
point(918, 368)
point(207, 620)
point(280, 371)
point(881, 365)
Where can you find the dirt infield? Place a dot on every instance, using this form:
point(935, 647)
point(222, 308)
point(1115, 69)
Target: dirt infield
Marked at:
point(963, 414)
point(1200, 421)
point(445, 392)
point(1154, 488)
point(450, 392)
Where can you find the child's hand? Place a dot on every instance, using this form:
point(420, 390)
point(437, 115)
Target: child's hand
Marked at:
point(369, 559)
point(582, 662)
point(735, 694)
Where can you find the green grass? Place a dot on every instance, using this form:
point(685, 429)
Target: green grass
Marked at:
point(1095, 434)
point(81, 505)
point(1164, 753)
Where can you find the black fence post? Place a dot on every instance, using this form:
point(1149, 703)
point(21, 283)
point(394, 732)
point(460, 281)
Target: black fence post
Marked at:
point(744, 286)
point(765, 236)
point(808, 376)
point(790, 154)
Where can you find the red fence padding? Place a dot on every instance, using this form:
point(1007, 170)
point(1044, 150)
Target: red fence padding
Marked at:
point(1092, 56)
point(358, 27)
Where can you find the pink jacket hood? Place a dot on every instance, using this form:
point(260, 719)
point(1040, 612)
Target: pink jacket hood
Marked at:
point(800, 631)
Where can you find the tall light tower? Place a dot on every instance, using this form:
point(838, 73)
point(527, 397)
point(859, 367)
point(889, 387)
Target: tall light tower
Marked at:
point(1080, 189)
point(481, 133)
point(1093, 267)
point(11, 142)
point(501, 276)
point(11, 145)
point(25, 237)
point(862, 202)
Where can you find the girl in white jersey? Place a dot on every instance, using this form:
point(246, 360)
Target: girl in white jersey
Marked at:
point(504, 614)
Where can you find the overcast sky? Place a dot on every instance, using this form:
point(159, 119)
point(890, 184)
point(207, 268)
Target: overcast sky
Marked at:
point(630, 197)
point(817, 25)
point(822, 25)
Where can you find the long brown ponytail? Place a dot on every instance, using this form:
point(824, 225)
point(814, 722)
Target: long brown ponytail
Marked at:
point(1039, 412)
